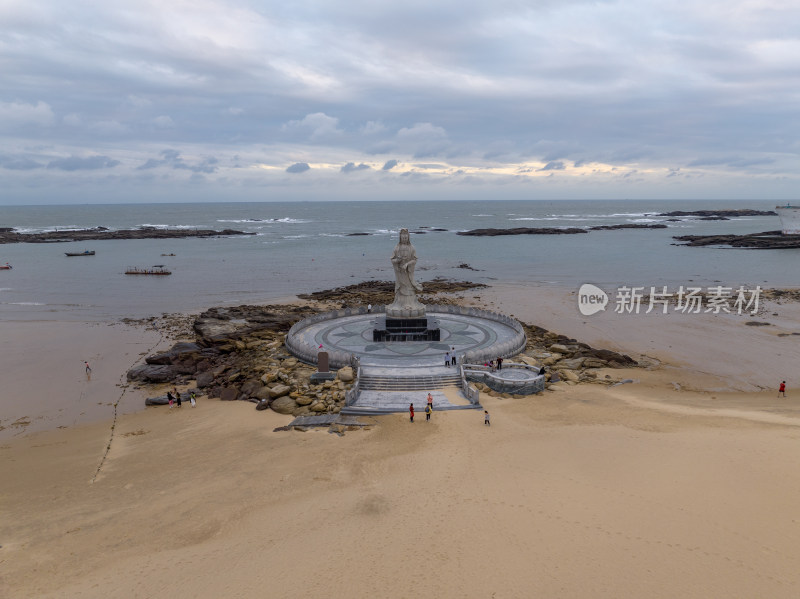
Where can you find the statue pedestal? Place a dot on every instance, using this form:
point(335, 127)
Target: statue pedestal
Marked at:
point(406, 329)
point(409, 307)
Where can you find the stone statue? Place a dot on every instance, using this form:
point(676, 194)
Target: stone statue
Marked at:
point(404, 260)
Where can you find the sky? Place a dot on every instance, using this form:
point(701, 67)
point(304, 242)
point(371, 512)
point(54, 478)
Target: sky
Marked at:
point(247, 100)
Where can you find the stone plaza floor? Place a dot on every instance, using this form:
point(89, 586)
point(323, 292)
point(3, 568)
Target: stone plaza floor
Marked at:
point(353, 334)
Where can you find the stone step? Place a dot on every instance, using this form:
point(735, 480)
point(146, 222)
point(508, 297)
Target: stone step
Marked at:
point(408, 384)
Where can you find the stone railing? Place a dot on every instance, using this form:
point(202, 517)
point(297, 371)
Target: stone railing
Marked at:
point(494, 380)
point(351, 396)
point(470, 392)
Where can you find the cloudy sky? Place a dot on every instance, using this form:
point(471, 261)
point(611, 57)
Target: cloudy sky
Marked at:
point(245, 100)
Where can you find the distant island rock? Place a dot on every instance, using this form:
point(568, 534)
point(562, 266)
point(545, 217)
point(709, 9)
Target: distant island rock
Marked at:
point(722, 213)
point(102, 234)
point(768, 240)
point(554, 231)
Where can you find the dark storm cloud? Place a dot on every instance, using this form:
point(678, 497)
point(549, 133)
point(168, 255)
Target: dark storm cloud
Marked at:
point(298, 167)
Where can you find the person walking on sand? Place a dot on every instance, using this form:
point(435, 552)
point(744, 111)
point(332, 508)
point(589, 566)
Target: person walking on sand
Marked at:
point(430, 400)
point(486, 418)
point(170, 399)
point(782, 389)
point(88, 370)
point(411, 412)
point(192, 398)
point(428, 411)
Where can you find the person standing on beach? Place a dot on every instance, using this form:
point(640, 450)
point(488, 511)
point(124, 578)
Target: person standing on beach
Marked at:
point(369, 308)
point(192, 398)
point(88, 370)
point(486, 418)
point(782, 389)
point(177, 396)
point(411, 412)
point(170, 399)
point(428, 413)
point(430, 400)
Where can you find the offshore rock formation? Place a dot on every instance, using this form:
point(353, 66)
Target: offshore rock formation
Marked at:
point(769, 240)
point(555, 231)
point(101, 234)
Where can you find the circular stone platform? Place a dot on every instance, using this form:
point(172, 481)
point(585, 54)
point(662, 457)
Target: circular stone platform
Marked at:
point(477, 336)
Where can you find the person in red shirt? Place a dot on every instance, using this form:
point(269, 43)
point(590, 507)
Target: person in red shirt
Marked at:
point(782, 389)
point(411, 411)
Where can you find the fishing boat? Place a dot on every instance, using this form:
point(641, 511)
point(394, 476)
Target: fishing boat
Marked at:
point(154, 270)
point(790, 219)
point(83, 253)
point(7, 266)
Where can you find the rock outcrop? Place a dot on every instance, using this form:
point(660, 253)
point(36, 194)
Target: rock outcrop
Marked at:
point(769, 240)
point(556, 231)
point(101, 233)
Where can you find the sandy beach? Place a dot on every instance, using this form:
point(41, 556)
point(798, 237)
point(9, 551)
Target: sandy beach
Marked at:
point(646, 489)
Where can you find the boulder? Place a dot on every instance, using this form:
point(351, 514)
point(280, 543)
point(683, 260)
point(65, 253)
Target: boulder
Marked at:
point(251, 386)
point(262, 405)
point(303, 400)
point(262, 393)
point(269, 378)
point(203, 365)
point(152, 373)
point(561, 349)
point(279, 391)
point(345, 374)
point(177, 352)
point(229, 394)
point(594, 363)
point(569, 375)
point(283, 405)
point(204, 379)
point(157, 401)
point(319, 407)
point(571, 364)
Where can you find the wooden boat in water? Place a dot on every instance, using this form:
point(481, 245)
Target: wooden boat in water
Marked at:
point(83, 253)
point(155, 270)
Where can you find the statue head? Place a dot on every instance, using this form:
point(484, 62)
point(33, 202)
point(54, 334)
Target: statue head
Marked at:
point(404, 236)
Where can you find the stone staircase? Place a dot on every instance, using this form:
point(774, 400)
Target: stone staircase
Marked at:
point(382, 382)
point(390, 390)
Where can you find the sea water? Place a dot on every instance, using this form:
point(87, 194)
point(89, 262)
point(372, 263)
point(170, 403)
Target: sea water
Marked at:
point(300, 247)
